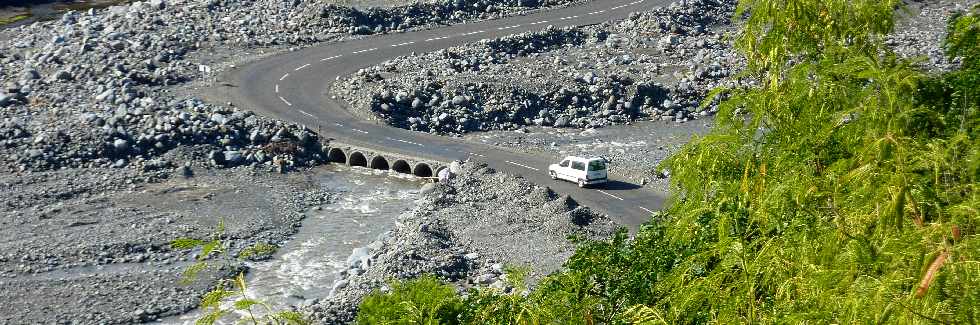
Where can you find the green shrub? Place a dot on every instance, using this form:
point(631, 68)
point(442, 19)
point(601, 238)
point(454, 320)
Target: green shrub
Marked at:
point(421, 301)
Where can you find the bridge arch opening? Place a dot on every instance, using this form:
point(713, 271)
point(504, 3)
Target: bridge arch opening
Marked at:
point(422, 170)
point(401, 166)
point(337, 155)
point(440, 169)
point(379, 162)
point(357, 159)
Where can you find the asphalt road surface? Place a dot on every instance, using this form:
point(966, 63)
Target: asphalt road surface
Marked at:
point(293, 87)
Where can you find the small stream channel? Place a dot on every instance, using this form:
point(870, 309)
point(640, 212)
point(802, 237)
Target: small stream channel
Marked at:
point(368, 205)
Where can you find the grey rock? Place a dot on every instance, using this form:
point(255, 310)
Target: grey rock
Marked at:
point(62, 75)
point(459, 100)
point(121, 145)
point(233, 157)
point(5, 99)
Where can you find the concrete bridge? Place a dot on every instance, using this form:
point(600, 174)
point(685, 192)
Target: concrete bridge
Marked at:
point(354, 156)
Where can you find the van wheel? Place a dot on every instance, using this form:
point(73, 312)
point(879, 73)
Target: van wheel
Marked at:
point(553, 175)
point(581, 183)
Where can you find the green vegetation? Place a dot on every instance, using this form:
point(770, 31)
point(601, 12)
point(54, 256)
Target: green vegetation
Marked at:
point(230, 296)
point(421, 301)
point(14, 18)
point(257, 252)
point(840, 189)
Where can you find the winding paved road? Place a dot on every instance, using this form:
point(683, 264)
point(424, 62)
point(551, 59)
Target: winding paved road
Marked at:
point(293, 87)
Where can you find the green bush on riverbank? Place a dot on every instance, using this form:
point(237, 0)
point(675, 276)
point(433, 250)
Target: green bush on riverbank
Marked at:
point(842, 188)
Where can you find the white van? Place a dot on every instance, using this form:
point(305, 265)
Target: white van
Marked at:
point(583, 171)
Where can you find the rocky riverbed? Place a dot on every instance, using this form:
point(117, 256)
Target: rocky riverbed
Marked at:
point(467, 230)
point(92, 245)
point(106, 154)
point(106, 157)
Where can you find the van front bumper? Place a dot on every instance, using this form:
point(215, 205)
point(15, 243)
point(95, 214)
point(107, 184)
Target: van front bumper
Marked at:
point(596, 181)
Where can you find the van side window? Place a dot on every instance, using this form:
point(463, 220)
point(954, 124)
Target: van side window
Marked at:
point(564, 163)
point(578, 165)
point(597, 165)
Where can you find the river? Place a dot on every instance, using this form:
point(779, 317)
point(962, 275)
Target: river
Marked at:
point(368, 205)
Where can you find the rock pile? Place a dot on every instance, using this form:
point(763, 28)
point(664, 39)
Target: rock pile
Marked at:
point(466, 231)
point(90, 89)
point(653, 65)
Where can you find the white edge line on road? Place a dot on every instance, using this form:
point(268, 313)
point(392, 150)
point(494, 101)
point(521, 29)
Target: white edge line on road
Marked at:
point(516, 164)
point(284, 77)
point(302, 67)
point(613, 196)
point(284, 101)
point(647, 210)
point(307, 114)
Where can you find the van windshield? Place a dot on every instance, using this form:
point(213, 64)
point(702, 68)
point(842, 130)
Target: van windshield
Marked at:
point(597, 165)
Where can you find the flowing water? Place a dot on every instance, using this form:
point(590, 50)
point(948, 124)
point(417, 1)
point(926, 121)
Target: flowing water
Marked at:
point(368, 205)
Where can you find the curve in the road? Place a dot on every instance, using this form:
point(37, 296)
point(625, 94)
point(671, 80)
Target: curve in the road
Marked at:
point(293, 86)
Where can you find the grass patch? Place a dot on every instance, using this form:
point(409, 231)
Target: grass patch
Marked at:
point(13, 19)
point(80, 6)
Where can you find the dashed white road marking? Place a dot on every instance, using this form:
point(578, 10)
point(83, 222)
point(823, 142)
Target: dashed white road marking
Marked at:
point(437, 38)
point(368, 50)
point(613, 196)
point(474, 33)
point(525, 166)
point(647, 210)
point(540, 22)
point(277, 88)
point(338, 124)
point(476, 154)
point(508, 27)
point(403, 44)
point(361, 131)
point(307, 114)
point(330, 58)
point(403, 141)
point(284, 77)
point(302, 67)
point(285, 101)
point(601, 11)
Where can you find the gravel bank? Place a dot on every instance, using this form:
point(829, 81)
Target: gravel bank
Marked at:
point(91, 246)
point(97, 140)
point(466, 230)
point(654, 65)
point(921, 30)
